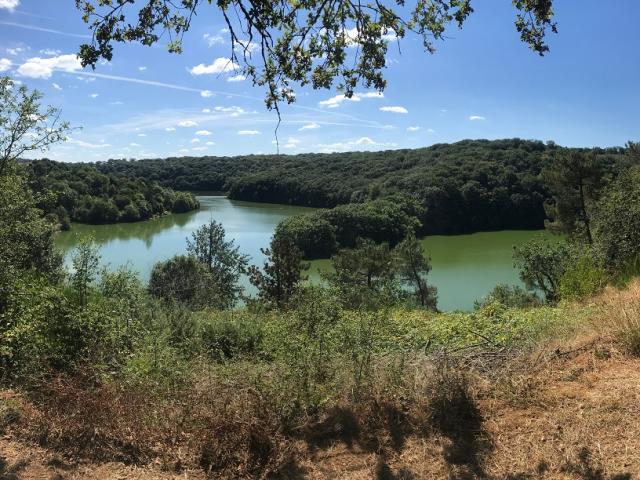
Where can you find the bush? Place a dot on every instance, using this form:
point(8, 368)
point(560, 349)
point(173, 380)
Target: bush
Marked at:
point(181, 279)
point(582, 278)
point(230, 335)
point(510, 296)
point(314, 236)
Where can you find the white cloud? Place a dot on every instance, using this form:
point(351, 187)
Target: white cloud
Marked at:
point(187, 123)
point(199, 149)
point(364, 141)
point(15, 51)
point(334, 102)
point(219, 65)
point(134, 144)
point(352, 40)
point(395, 109)
point(413, 129)
point(9, 4)
point(170, 129)
point(84, 144)
point(248, 132)
point(206, 110)
point(476, 117)
point(142, 69)
point(431, 130)
point(117, 102)
point(292, 143)
point(210, 143)
point(44, 67)
point(203, 133)
point(237, 78)
point(94, 95)
point(354, 144)
point(142, 134)
point(206, 93)
point(5, 64)
point(195, 140)
point(213, 39)
point(50, 52)
point(309, 126)
point(233, 110)
point(56, 86)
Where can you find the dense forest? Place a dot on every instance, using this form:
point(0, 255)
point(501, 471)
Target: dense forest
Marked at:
point(82, 193)
point(468, 186)
point(463, 187)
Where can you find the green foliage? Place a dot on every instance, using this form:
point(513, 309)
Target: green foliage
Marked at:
point(85, 261)
point(575, 179)
point(182, 279)
point(300, 43)
point(413, 267)
point(230, 335)
point(313, 235)
point(82, 193)
point(26, 238)
point(541, 264)
point(365, 275)
point(510, 296)
point(584, 277)
point(617, 221)
point(24, 126)
point(282, 272)
point(222, 259)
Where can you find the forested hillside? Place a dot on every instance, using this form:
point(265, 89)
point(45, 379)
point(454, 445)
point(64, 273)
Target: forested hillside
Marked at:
point(463, 187)
point(81, 193)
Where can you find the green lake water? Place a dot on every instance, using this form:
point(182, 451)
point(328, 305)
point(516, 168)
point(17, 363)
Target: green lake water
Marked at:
point(465, 267)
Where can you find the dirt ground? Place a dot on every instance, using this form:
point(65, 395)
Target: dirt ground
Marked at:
point(576, 417)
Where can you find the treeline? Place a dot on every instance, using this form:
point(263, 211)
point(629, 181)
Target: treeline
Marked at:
point(82, 193)
point(462, 187)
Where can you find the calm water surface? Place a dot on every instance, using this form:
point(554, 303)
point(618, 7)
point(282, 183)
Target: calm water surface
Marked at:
point(465, 267)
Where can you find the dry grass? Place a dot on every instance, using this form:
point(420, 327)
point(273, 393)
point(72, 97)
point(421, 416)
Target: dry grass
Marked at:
point(621, 315)
point(569, 409)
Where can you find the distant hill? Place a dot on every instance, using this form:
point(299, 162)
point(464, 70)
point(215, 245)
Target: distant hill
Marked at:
point(466, 186)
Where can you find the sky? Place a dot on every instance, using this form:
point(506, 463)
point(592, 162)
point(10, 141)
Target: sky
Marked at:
point(481, 83)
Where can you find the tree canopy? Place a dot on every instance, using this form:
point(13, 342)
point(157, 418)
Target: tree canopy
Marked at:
point(307, 42)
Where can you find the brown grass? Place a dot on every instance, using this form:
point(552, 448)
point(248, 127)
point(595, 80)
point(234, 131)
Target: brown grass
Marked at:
point(568, 410)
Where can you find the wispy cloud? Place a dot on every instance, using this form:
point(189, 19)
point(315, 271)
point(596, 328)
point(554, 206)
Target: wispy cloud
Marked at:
point(476, 117)
point(203, 133)
point(5, 64)
point(248, 132)
point(413, 129)
point(219, 65)
point(84, 144)
point(335, 102)
point(358, 143)
point(41, 29)
point(213, 39)
point(237, 78)
point(309, 126)
point(394, 109)
point(56, 86)
point(187, 123)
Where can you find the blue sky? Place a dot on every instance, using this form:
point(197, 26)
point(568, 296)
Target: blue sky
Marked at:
point(481, 83)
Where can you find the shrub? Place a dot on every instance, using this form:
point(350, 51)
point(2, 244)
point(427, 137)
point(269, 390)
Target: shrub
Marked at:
point(510, 296)
point(230, 335)
point(582, 278)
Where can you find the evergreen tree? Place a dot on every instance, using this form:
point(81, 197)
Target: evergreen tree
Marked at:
point(282, 272)
point(222, 259)
point(414, 267)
